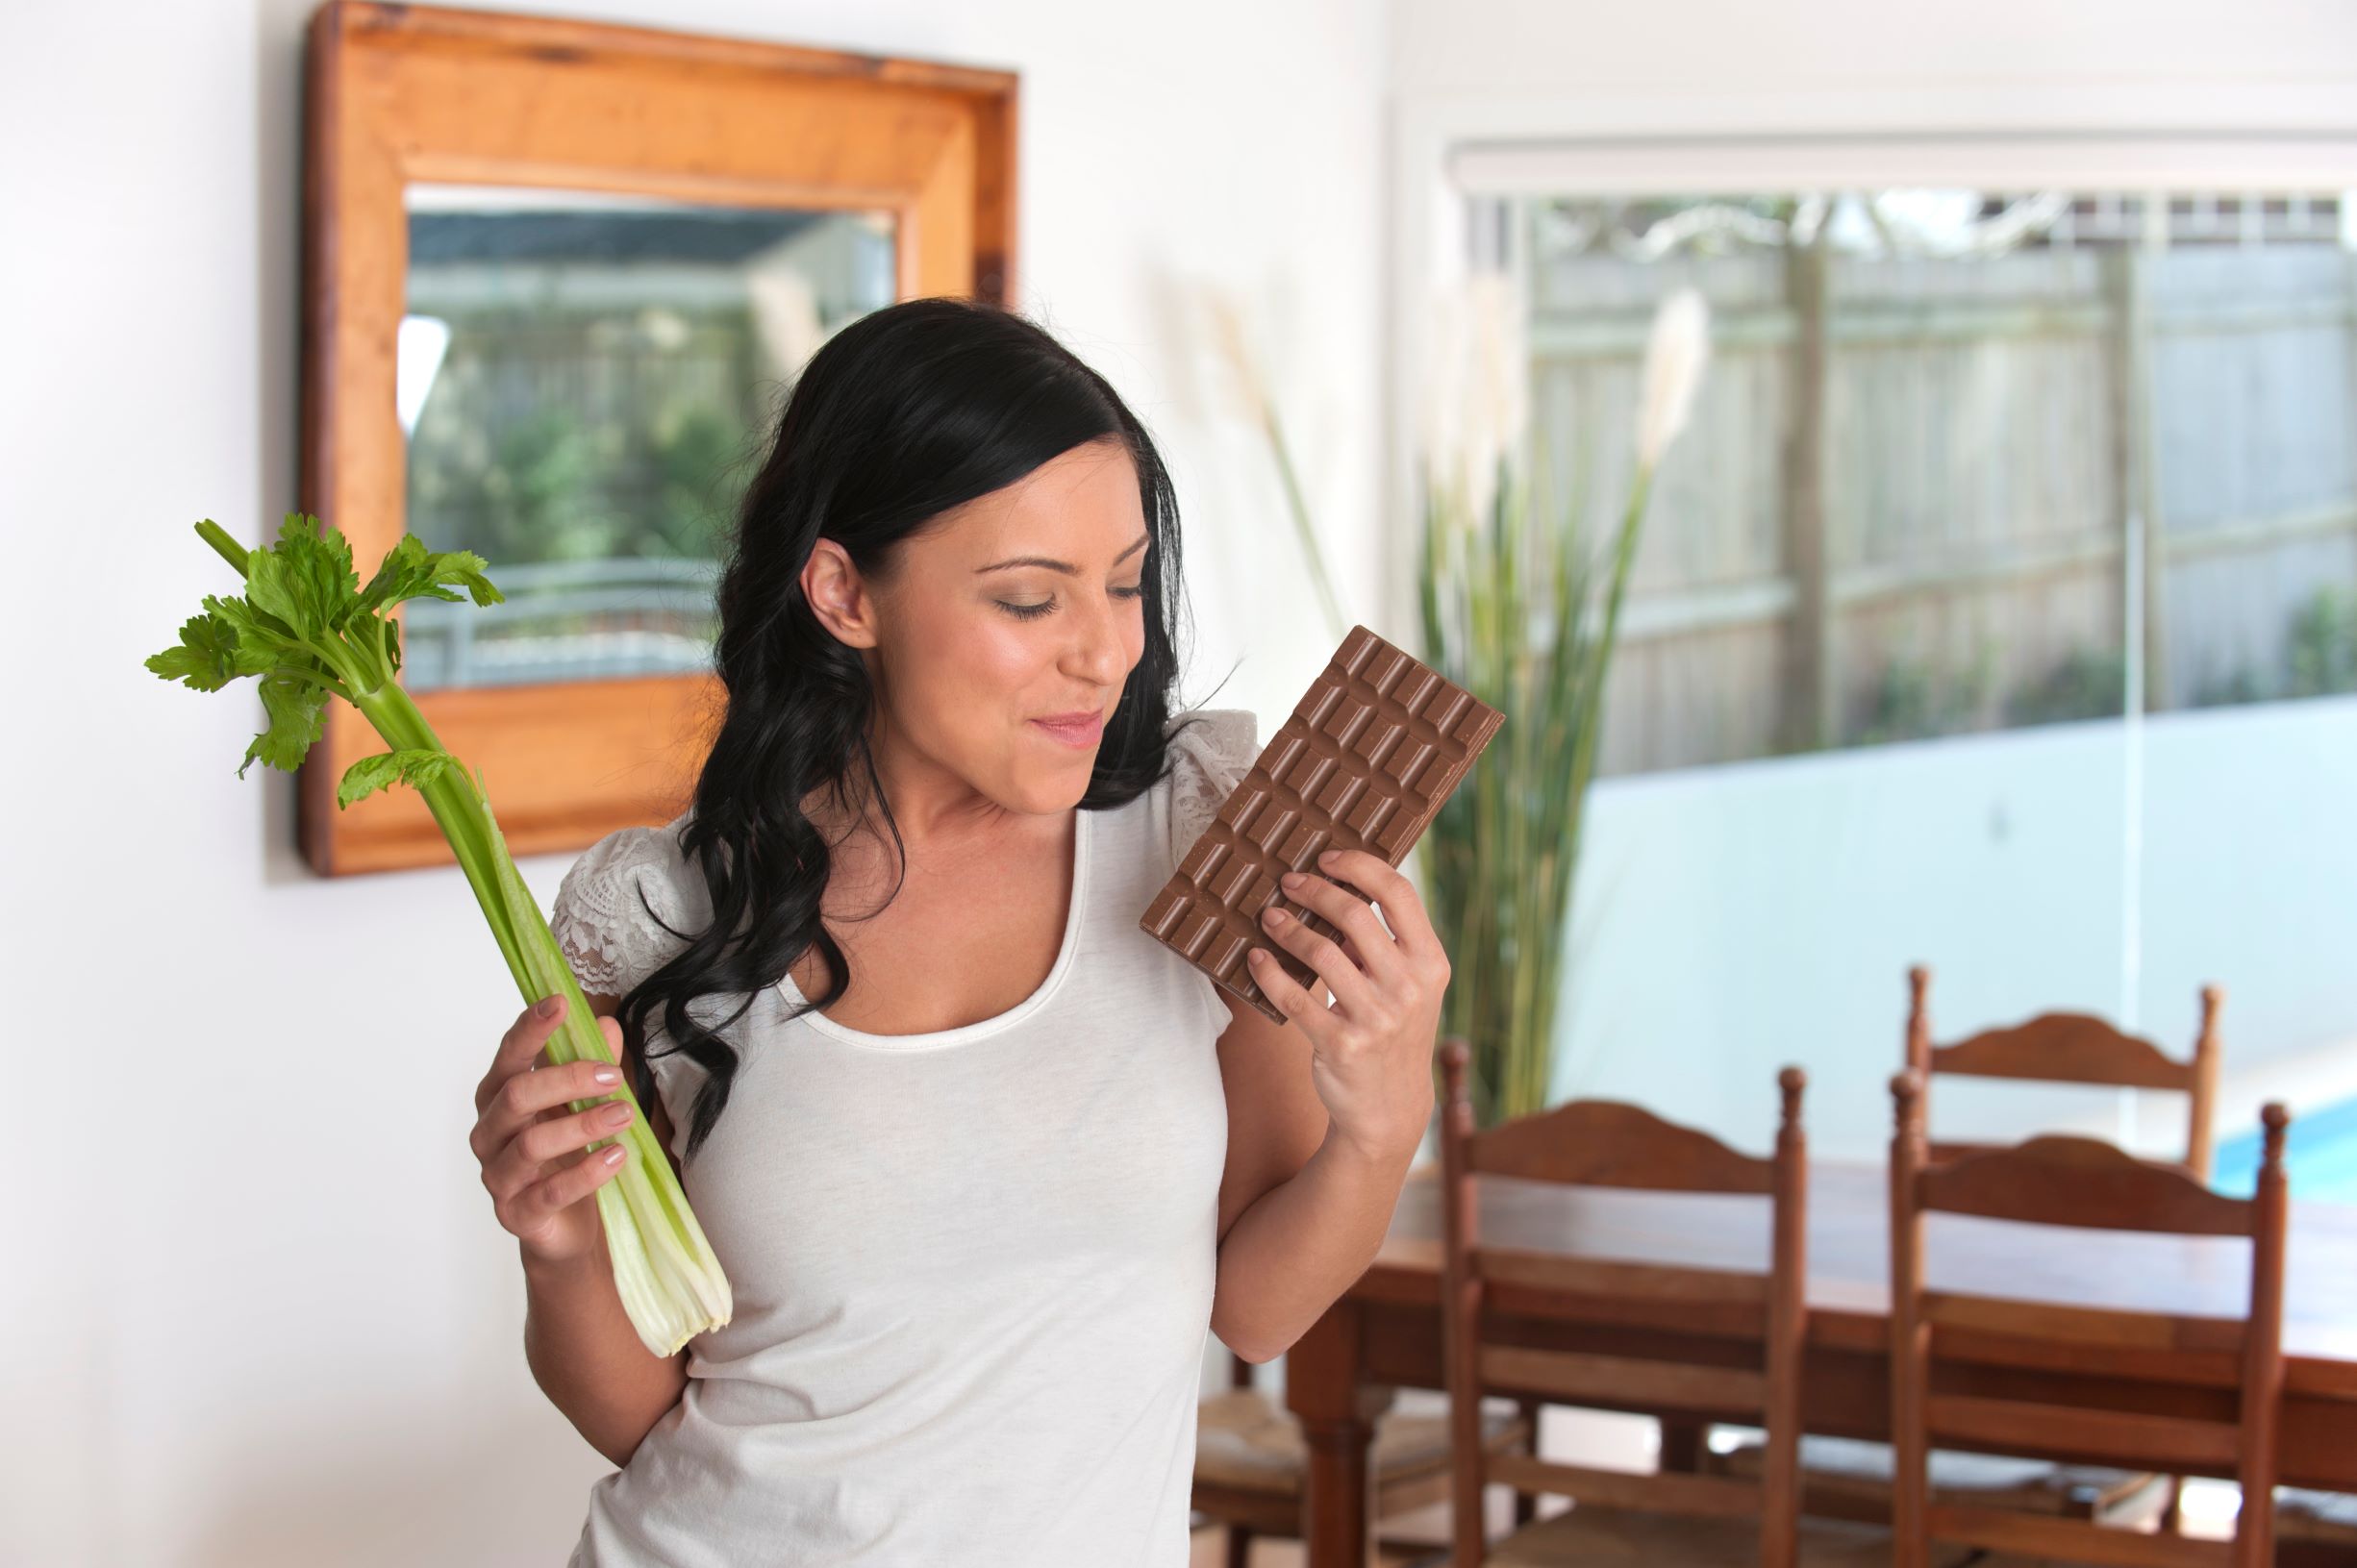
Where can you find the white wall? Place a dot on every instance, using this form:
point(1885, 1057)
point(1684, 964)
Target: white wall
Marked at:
point(256, 1310)
point(1706, 46)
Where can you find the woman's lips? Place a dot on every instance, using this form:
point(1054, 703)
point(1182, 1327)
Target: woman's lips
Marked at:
point(1081, 732)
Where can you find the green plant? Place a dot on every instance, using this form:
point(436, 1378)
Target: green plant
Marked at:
point(2318, 658)
point(2320, 645)
point(2235, 686)
point(694, 460)
point(308, 629)
point(1912, 700)
point(521, 495)
point(1527, 619)
point(2086, 683)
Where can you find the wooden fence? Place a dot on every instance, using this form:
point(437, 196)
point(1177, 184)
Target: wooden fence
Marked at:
point(1914, 489)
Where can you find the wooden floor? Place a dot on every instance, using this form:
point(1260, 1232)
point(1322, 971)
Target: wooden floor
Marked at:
point(1420, 1539)
point(1412, 1541)
point(1211, 1552)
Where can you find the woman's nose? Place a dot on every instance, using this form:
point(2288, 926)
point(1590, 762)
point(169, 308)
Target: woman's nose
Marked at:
point(1099, 655)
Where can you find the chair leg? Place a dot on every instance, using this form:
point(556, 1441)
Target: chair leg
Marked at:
point(1240, 1547)
point(1526, 1503)
point(1683, 1445)
point(2172, 1516)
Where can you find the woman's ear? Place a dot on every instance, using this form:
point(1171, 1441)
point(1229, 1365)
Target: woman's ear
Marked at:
point(837, 595)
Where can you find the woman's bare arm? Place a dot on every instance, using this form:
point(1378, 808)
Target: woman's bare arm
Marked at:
point(1299, 1220)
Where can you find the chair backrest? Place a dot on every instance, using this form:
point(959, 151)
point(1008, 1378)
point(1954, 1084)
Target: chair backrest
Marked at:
point(2072, 1048)
point(2085, 1183)
point(1759, 1320)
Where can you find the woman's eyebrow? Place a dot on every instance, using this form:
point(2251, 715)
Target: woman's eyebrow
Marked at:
point(1064, 567)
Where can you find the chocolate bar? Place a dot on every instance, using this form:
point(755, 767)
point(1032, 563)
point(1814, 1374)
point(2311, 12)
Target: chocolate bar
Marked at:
point(1366, 760)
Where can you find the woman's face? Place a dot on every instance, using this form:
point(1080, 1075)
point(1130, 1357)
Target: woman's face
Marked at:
point(1000, 638)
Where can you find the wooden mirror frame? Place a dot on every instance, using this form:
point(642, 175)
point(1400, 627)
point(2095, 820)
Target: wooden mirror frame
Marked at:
point(401, 94)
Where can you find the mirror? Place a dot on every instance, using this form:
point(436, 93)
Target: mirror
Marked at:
point(559, 277)
point(585, 383)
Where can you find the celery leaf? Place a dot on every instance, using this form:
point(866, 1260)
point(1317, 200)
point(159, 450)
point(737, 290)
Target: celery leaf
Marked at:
point(256, 628)
point(412, 571)
point(416, 767)
point(298, 711)
point(306, 578)
point(209, 655)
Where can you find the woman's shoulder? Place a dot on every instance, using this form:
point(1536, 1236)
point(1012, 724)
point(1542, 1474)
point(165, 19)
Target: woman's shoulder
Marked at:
point(626, 905)
point(1211, 750)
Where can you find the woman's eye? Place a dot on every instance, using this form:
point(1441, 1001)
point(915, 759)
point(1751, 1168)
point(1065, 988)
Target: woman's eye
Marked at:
point(1032, 612)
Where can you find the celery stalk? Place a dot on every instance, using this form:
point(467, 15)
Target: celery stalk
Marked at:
point(311, 632)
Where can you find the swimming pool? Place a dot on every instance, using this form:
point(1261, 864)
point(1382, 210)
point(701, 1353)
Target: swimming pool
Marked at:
point(2320, 1157)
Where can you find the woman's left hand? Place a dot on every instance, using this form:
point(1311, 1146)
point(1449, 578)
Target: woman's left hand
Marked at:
point(1371, 1051)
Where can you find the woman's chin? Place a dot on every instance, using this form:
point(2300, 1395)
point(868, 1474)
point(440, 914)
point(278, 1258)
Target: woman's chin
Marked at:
point(1054, 787)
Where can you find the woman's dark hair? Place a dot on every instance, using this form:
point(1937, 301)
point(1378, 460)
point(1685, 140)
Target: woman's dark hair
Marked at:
point(902, 415)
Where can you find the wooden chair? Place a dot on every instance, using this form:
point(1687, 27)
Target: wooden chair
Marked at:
point(2077, 1048)
point(1667, 1341)
point(2086, 1184)
point(2072, 1047)
point(1251, 1458)
point(1848, 1479)
point(2316, 1529)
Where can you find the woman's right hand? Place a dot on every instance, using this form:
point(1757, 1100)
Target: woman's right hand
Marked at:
point(532, 1144)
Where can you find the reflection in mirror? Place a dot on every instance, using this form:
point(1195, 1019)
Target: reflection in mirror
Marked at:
point(585, 382)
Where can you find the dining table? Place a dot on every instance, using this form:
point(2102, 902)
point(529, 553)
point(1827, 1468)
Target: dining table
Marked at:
point(1384, 1333)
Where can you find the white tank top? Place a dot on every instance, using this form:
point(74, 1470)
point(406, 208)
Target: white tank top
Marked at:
point(972, 1269)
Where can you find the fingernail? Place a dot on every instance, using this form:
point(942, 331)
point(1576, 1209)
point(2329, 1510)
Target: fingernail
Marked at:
point(1292, 878)
point(1273, 915)
point(614, 1155)
point(1328, 858)
point(606, 1075)
point(548, 1005)
point(615, 1116)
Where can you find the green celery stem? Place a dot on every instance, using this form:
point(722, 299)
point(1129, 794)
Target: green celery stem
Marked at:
point(215, 534)
point(652, 1236)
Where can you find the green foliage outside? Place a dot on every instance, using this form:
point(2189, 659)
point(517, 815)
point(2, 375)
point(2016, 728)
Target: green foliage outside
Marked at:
point(1912, 700)
point(2317, 659)
point(2321, 646)
point(551, 478)
point(2088, 683)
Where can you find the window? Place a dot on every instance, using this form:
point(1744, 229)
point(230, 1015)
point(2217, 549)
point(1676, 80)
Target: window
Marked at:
point(1966, 460)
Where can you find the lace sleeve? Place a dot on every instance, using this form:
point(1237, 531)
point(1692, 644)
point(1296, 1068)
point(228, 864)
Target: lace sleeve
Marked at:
point(601, 924)
point(1211, 751)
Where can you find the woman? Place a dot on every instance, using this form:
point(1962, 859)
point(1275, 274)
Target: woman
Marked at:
point(994, 1162)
